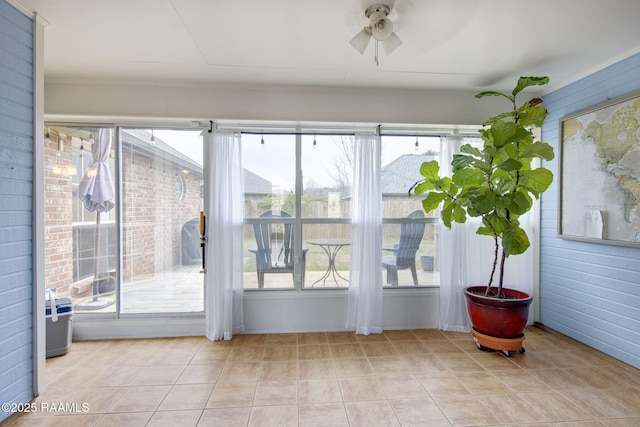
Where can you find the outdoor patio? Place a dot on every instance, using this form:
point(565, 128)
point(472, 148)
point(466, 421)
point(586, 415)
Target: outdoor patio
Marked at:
point(181, 289)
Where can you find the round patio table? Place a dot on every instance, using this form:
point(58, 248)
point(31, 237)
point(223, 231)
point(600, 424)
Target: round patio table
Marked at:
point(331, 248)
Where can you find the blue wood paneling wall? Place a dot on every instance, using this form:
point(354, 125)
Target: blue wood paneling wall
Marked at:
point(590, 292)
point(16, 160)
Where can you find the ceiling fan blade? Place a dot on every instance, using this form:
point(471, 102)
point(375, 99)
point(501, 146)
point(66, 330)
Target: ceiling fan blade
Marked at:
point(361, 40)
point(391, 43)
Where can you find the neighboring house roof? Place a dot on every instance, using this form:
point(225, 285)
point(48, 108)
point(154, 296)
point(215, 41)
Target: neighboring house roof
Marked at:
point(398, 176)
point(255, 184)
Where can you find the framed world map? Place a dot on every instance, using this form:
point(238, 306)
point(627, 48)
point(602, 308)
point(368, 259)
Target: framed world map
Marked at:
point(599, 173)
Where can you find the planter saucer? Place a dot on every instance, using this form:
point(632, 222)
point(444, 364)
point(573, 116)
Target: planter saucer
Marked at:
point(502, 345)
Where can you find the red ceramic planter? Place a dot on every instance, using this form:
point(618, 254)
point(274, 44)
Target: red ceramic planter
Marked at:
point(503, 318)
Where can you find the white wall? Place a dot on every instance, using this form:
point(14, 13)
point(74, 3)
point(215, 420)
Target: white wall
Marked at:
point(278, 103)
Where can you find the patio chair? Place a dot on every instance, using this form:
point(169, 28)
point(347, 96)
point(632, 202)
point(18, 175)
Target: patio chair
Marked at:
point(404, 252)
point(274, 250)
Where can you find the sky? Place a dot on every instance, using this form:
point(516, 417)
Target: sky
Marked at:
point(275, 159)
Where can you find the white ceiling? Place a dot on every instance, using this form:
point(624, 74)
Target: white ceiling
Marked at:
point(447, 44)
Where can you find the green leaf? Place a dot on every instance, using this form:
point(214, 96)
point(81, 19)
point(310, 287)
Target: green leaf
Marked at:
point(461, 161)
point(493, 93)
point(430, 170)
point(484, 203)
point(433, 200)
point(510, 165)
point(484, 231)
point(515, 240)
point(539, 149)
point(421, 187)
point(468, 177)
point(525, 82)
point(502, 132)
point(533, 116)
point(445, 214)
point(459, 214)
point(520, 203)
point(470, 149)
point(536, 180)
point(500, 116)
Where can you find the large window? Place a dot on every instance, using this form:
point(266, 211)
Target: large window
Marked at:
point(409, 236)
point(297, 211)
point(121, 221)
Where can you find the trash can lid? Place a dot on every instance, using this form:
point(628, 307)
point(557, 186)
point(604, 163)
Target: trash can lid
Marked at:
point(63, 305)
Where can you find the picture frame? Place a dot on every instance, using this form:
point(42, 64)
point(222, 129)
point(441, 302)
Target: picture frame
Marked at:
point(599, 173)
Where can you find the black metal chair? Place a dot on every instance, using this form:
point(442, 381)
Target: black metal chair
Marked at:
point(274, 251)
point(404, 252)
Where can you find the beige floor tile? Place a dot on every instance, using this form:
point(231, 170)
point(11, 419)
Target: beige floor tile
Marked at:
point(405, 348)
point(361, 388)
point(460, 362)
point(185, 418)
point(346, 350)
point(599, 403)
point(352, 367)
point(623, 422)
point(419, 412)
point(323, 414)
point(313, 338)
point(417, 377)
point(125, 419)
point(281, 416)
point(200, 373)
point(208, 354)
point(596, 377)
point(240, 371)
point(369, 414)
point(141, 398)
point(227, 417)
point(558, 378)
point(511, 409)
point(341, 338)
point(186, 396)
point(159, 375)
point(286, 370)
point(555, 407)
point(400, 335)
point(314, 352)
point(280, 352)
point(442, 383)
point(247, 354)
point(495, 361)
point(629, 397)
point(281, 339)
point(276, 393)
point(323, 390)
point(308, 369)
point(379, 349)
point(389, 365)
point(521, 381)
point(465, 410)
point(402, 386)
point(232, 394)
point(482, 383)
point(424, 363)
point(98, 399)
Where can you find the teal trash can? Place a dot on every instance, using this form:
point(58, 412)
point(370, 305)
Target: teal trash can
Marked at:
point(59, 326)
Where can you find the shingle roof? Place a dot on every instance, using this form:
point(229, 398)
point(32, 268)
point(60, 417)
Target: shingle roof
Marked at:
point(398, 176)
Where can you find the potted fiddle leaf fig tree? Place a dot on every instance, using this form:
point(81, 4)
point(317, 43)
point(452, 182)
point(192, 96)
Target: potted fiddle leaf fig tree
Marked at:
point(496, 183)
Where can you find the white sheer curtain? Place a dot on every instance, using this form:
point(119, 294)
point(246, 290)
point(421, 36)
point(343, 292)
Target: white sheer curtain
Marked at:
point(466, 257)
point(364, 310)
point(224, 222)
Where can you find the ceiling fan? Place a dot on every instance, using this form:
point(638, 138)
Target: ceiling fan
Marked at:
point(380, 28)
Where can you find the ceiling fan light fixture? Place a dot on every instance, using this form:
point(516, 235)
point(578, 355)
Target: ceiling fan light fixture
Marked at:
point(380, 28)
point(361, 40)
point(391, 43)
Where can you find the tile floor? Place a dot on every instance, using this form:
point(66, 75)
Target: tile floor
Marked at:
point(408, 378)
